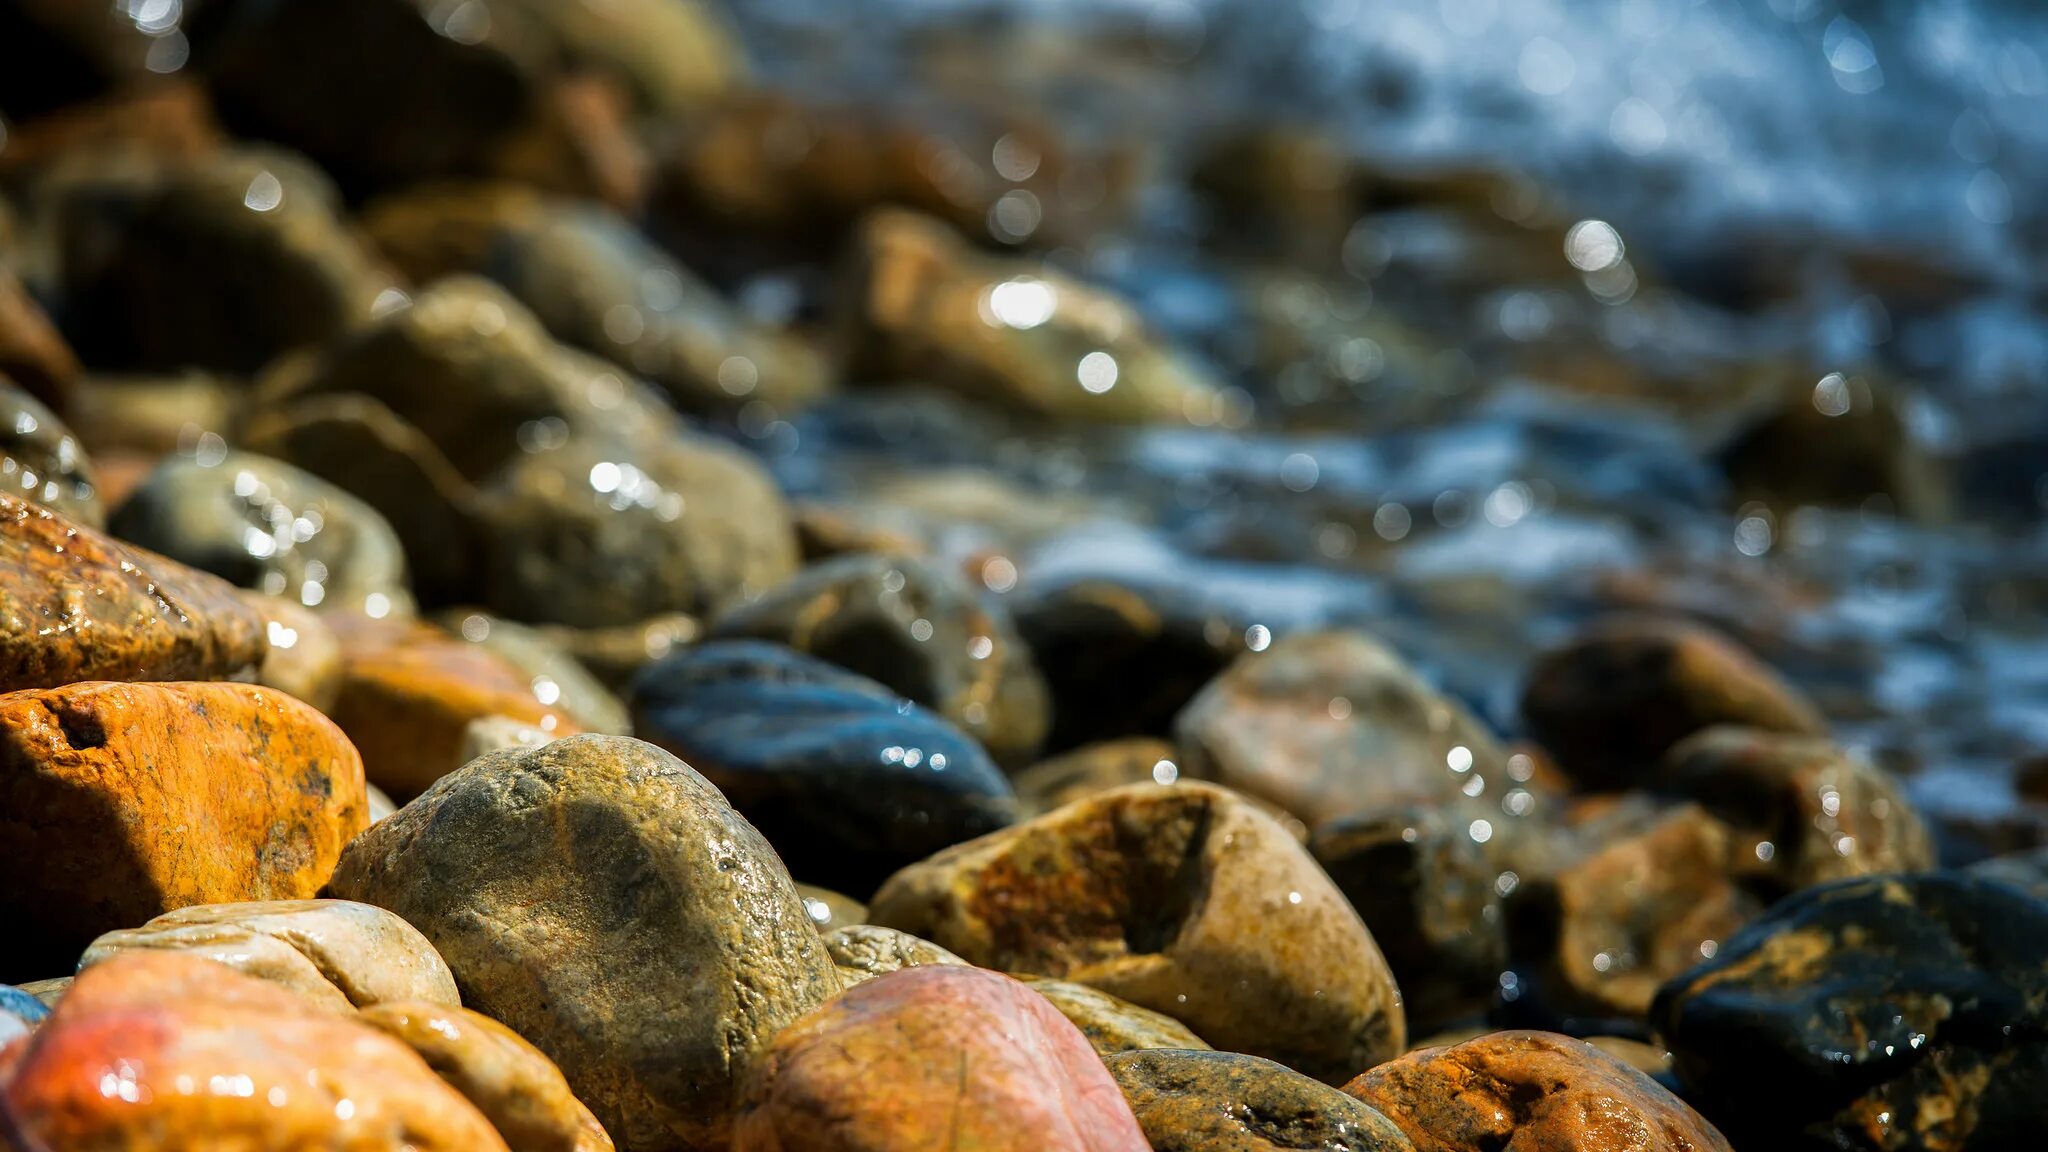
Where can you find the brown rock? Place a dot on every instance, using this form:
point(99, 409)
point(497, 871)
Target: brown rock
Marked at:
point(613, 654)
point(1186, 900)
point(31, 351)
point(142, 798)
point(409, 692)
point(150, 416)
point(865, 951)
point(168, 120)
point(1094, 768)
point(578, 142)
point(40, 458)
point(829, 910)
point(155, 1051)
point(547, 666)
point(78, 605)
point(1611, 701)
point(1195, 1101)
point(510, 1081)
point(1832, 438)
point(935, 1057)
point(305, 655)
point(1112, 1025)
point(1531, 1092)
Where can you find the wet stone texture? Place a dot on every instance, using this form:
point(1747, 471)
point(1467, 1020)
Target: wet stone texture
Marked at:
point(846, 779)
point(77, 605)
point(1185, 900)
point(1530, 1092)
point(130, 800)
point(600, 898)
point(865, 951)
point(1193, 1101)
point(1893, 1013)
point(154, 1051)
point(1112, 1025)
point(934, 1057)
point(42, 461)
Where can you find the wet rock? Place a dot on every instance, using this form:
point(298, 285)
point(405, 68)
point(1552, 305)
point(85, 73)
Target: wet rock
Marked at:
point(1825, 815)
point(1431, 897)
point(846, 779)
point(304, 659)
point(335, 953)
point(1331, 724)
point(263, 524)
point(32, 354)
point(616, 653)
point(829, 909)
point(1530, 1090)
point(409, 692)
point(150, 797)
point(20, 1013)
point(1894, 1012)
point(930, 1057)
point(600, 898)
point(1185, 900)
point(1112, 1025)
point(1832, 439)
point(266, 1070)
point(1011, 333)
point(918, 629)
point(77, 605)
point(864, 951)
point(825, 531)
point(1613, 700)
point(48, 991)
point(1094, 768)
point(149, 416)
point(550, 669)
point(1229, 1102)
point(1123, 657)
point(169, 120)
point(223, 265)
point(495, 733)
point(510, 1081)
point(41, 460)
point(598, 284)
point(2027, 871)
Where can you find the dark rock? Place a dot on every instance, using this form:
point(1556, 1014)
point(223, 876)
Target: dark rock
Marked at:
point(2027, 871)
point(40, 459)
point(32, 354)
point(1839, 441)
point(846, 779)
point(1194, 1101)
point(1886, 1012)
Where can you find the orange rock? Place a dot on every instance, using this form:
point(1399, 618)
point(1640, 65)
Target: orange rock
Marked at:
point(31, 351)
point(124, 801)
point(160, 1050)
point(508, 1079)
point(1531, 1092)
point(936, 1057)
point(409, 691)
point(76, 604)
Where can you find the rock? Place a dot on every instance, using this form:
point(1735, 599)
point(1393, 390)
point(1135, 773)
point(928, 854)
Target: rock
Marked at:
point(1842, 440)
point(40, 458)
point(1010, 332)
point(545, 662)
point(600, 898)
point(1112, 1025)
point(1517, 1090)
point(829, 909)
point(1094, 768)
point(598, 284)
point(847, 780)
point(496, 733)
point(1229, 1102)
point(1431, 897)
point(2027, 871)
point(32, 354)
point(920, 630)
point(135, 799)
point(149, 417)
point(671, 58)
point(826, 531)
point(1894, 1012)
point(221, 265)
point(510, 1081)
point(263, 524)
point(1610, 702)
point(409, 692)
point(48, 991)
point(1123, 657)
point(1825, 814)
point(381, 805)
point(1185, 900)
point(169, 120)
point(78, 605)
point(1332, 724)
point(161, 1050)
point(614, 654)
point(20, 1013)
point(864, 951)
point(305, 655)
point(944, 1056)
point(334, 953)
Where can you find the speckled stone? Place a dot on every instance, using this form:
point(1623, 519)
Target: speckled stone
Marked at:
point(1186, 900)
point(1112, 1025)
point(510, 1081)
point(1893, 1013)
point(335, 953)
point(1530, 1091)
point(42, 461)
point(130, 800)
point(78, 605)
point(163, 1050)
point(933, 1057)
point(1195, 1101)
point(865, 951)
point(602, 899)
